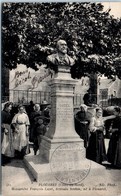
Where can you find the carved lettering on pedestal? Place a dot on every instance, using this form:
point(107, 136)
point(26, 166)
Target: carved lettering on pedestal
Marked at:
point(65, 111)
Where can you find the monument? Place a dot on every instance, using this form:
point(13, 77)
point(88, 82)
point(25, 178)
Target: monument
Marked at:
point(61, 152)
point(61, 129)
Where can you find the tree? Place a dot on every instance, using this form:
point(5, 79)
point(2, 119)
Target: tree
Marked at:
point(30, 32)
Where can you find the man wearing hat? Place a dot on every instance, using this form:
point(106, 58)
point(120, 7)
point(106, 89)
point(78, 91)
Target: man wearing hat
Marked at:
point(42, 124)
point(40, 120)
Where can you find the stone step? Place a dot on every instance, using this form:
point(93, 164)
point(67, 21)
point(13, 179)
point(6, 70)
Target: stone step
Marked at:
point(54, 172)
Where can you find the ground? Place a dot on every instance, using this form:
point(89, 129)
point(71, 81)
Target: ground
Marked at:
point(17, 180)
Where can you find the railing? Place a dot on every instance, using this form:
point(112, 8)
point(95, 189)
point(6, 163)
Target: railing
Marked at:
point(24, 97)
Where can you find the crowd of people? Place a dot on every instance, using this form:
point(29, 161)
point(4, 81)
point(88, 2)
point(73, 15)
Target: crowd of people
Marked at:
point(93, 134)
point(26, 125)
point(22, 126)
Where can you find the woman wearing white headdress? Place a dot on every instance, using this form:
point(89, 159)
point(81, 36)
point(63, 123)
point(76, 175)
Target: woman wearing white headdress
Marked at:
point(96, 148)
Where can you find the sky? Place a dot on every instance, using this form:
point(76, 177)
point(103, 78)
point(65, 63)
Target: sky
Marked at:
point(115, 8)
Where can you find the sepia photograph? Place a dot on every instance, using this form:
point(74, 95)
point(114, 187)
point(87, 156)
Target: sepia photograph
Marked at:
point(60, 98)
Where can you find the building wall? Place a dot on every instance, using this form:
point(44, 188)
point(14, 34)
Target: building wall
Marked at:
point(115, 89)
point(25, 84)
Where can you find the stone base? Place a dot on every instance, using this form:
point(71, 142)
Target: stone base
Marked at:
point(38, 168)
point(67, 164)
point(51, 173)
point(48, 146)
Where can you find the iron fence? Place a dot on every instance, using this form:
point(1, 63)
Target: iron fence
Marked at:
point(24, 97)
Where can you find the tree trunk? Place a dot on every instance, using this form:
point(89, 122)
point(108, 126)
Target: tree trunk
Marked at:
point(93, 88)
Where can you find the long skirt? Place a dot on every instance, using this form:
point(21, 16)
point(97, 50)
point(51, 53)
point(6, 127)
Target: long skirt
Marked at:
point(96, 148)
point(7, 143)
point(20, 138)
point(114, 150)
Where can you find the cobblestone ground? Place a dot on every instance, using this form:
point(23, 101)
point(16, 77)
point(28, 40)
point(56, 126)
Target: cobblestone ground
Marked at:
point(16, 181)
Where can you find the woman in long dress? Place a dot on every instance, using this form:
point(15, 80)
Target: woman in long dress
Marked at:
point(114, 149)
point(6, 134)
point(96, 149)
point(21, 124)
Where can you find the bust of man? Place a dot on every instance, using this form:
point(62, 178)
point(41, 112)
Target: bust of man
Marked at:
point(60, 60)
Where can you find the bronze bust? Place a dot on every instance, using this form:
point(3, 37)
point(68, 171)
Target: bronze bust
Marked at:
point(60, 60)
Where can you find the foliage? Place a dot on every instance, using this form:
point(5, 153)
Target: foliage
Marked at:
point(30, 32)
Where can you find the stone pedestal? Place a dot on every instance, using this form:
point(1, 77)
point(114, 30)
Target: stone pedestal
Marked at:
point(62, 154)
point(61, 128)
